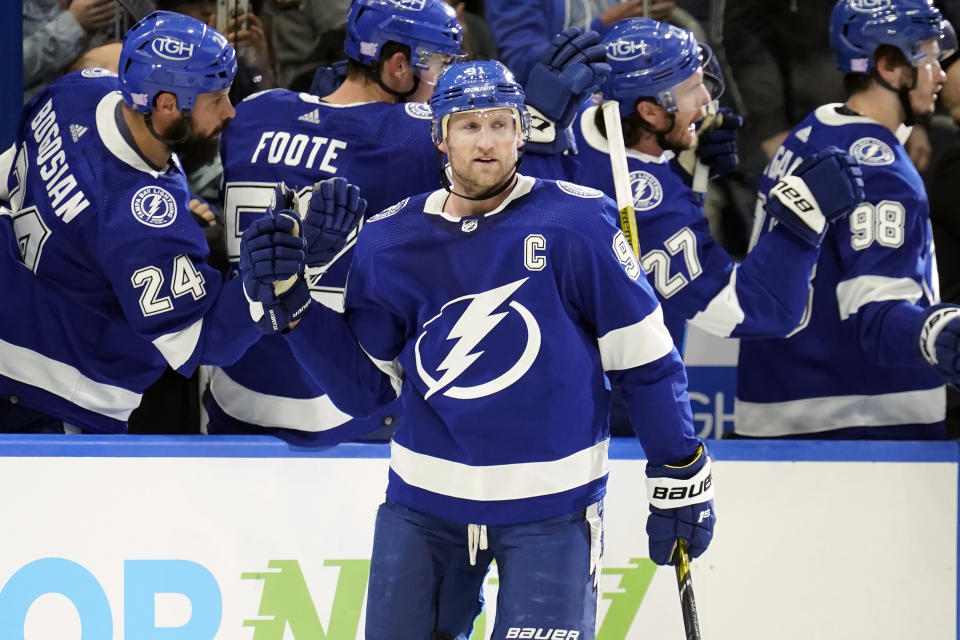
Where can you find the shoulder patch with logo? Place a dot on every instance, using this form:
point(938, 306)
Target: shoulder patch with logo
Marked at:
point(96, 72)
point(647, 192)
point(872, 152)
point(154, 207)
point(389, 211)
point(418, 110)
point(579, 190)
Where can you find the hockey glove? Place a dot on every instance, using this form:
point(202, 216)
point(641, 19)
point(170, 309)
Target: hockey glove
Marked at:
point(270, 254)
point(716, 146)
point(326, 80)
point(571, 68)
point(826, 187)
point(681, 506)
point(336, 210)
point(940, 341)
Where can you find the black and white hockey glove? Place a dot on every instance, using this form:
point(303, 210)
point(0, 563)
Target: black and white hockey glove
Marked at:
point(939, 341)
point(681, 506)
point(826, 187)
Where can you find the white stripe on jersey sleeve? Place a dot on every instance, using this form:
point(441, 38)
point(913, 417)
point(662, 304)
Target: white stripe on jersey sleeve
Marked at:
point(499, 481)
point(6, 166)
point(176, 348)
point(813, 415)
point(723, 314)
point(392, 368)
point(857, 292)
point(636, 344)
point(304, 414)
point(59, 378)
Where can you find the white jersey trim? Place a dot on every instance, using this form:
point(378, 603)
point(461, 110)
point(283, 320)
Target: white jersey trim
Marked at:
point(857, 292)
point(637, 344)
point(435, 201)
point(723, 314)
point(64, 380)
point(176, 348)
point(266, 410)
point(813, 415)
point(598, 141)
point(6, 165)
point(828, 115)
point(500, 481)
point(113, 140)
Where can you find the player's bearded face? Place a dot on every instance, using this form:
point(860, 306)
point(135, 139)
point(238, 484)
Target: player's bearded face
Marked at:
point(199, 147)
point(691, 99)
point(482, 148)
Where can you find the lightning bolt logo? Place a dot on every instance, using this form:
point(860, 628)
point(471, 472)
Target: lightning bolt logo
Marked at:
point(474, 324)
point(153, 205)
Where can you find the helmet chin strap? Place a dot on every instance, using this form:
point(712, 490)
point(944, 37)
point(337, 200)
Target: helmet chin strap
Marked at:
point(401, 96)
point(507, 183)
point(903, 94)
point(148, 118)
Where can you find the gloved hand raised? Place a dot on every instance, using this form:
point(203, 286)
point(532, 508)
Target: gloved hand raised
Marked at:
point(336, 211)
point(939, 341)
point(571, 68)
point(272, 259)
point(681, 506)
point(825, 187)
point(716, 146)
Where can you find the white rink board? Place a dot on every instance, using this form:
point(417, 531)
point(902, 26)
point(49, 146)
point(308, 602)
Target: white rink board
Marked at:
point(804, 549)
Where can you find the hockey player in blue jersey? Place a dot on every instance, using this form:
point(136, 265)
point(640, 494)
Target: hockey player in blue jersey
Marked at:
point(502, 315)
point(664, 81)
point(364, 131)
point(110, 280)
point(871, 356)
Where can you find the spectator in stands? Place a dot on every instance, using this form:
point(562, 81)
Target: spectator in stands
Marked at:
point(53, 36)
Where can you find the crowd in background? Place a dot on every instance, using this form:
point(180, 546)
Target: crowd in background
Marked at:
point(775, 56)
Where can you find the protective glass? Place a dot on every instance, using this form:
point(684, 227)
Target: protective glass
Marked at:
point(698, 90)
point(428, 64)
point(947, 40)
point(491, 126)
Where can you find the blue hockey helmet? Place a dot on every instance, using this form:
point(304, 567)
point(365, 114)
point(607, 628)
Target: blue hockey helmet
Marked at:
point(649, 59)
point(173, 53)
point(428, 27)
point(858, 27)
point(472, 86)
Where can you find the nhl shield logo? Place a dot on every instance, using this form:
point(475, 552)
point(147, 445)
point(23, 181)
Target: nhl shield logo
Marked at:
point(154, 207)
point(647, 192)
point(469, 226)
point(872, 152)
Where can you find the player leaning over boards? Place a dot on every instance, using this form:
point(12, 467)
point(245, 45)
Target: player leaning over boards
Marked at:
point(664, 80)
point(374, 131)
point(872, 359)
point(500, 313)
point(111, 282)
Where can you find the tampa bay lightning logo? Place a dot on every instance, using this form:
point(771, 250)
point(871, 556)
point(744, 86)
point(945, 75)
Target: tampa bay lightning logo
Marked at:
point(389, 211)
point(868, 6)
point(578, 190)
point(154, 207)
point(95, 72)
point(626, 49)
point(647, 192)
point(466, 373)
point(872, 152)
point(418, 110)
point(412, 5)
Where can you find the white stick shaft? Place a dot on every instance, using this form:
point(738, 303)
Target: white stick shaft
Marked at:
point(618, 153)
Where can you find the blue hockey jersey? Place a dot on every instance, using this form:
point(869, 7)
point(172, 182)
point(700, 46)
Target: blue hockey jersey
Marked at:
point(116, 285)
point(694, 277)
point(854, 362)
point(503, 331)
point(279, 135)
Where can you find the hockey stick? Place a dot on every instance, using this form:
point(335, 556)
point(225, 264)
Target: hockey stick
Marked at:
point(628, 223)
point(621, 177)
point(681, 562)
